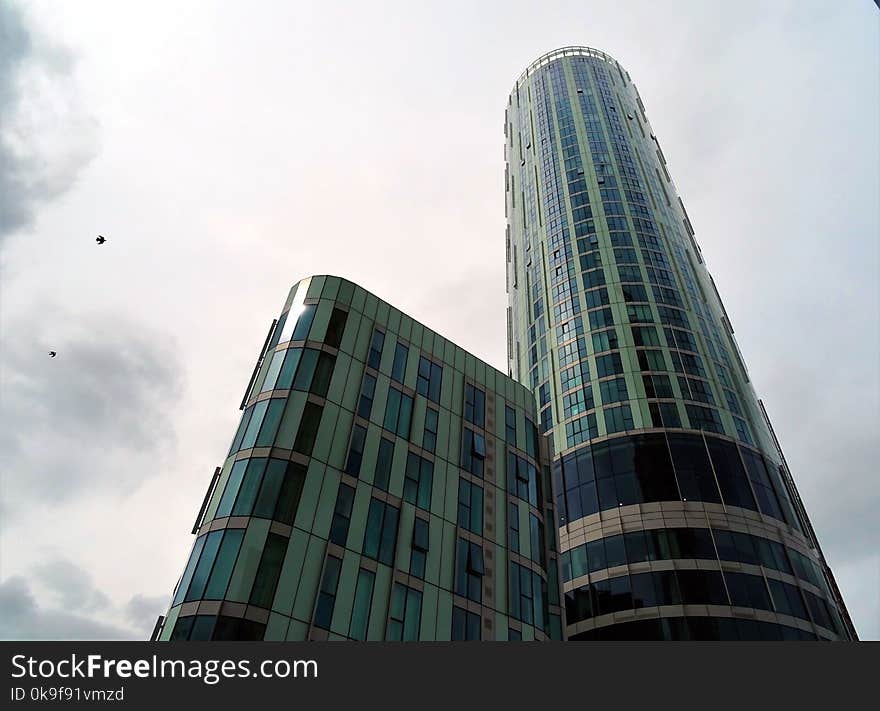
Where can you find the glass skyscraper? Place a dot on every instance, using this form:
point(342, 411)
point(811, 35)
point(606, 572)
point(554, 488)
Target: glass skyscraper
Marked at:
point(678, 516)
point(383, 484)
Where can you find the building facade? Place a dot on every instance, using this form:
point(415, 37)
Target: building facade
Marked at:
point(383, 484)
point(678, 516)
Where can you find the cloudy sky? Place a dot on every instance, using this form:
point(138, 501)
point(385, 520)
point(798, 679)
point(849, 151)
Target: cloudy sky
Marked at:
point(228, 149)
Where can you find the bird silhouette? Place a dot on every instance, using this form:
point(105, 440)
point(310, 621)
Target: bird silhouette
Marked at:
point(100, 239)
point(52, 354)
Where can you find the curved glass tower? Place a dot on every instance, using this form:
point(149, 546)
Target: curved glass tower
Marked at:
point(679, 518)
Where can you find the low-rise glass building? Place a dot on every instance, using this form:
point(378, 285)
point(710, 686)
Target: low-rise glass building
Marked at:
point(383, 484)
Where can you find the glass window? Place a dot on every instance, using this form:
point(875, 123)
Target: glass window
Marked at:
point(274, 370)
point(250, 485)
point(224, 508)
point(363, 599)
point(375, 355)
point(270, 422)
point(303, 323)
point(510, 425)
point(335, 328)
point(365, 402)
point(223, 565)
point(289, 495)
point(429, 438)
point(418, 481)
point(470, 506)
point(474, 405)
point(536, 535)
point(253, 428)
point(429, 379)
point(383, 464)
point(203, 569)
point(469, 570)
point(398, 413)
point(618, 419)
point(342, 515)
point(473, 452)
point(419, 552)
point(356, 450)
point(613, 390)
point(404, 614)
point(609, 364)
point(380, 536)
point(327, 592)
point(288, 370)
point(269, 571)
point(398, 368)
point(308, 428)
point(465, 625)
point(513, 525)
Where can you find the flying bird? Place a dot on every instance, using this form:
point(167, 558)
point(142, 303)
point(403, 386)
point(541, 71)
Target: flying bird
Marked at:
point(100, 239)
point(52, 354)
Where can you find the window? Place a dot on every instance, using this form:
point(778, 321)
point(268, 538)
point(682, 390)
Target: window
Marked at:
point(419, 553)
point(645, 336)
point(470, 506)
point(474, 405)
point(465, 625)
point(473, 452)
point(469, 570)
point(398, 412)
point(510, 425)
point(613, 390)
point(368, 390)
point(404, 614)
point(327, 593)
point(704, 418)
point(280, 491)
point(651, 360)
point(383, 464)
point(536, 535)
point(608, 365)
point(363, 599)
point(374, 358)
point(223, 564)
point(268, 571)
point(657, 386)
point(356, 450)
point(429, 438)
point(522, 478)
point(398, 368)
point(618, 419)
point(418, 481)
point(250, 486)
point(335, 328)
point(664, 414)
point(429, 379)
point(380, 536)
point(513, 526)
point(303, 323)
point(342, 515)
point(308, 428)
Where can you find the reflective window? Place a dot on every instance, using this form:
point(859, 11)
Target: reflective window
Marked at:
point(327, 592)
point(470, 506)
point(474, 405)
point(469, 570)
point(404, 614)
point(429, 438)
point(380, 536)
point(342, 515)
point(269, 570)
point(465, 625)
point(365, 401)
point(356, 450)
point(398, 413)
point(363, 599)
point(374, 357)
point(418, 481)
point(419, 552)
point(429, 379)
point(473, 452)
point(384, 460)
point(398, 367)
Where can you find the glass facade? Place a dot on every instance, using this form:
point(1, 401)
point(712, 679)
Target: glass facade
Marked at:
point(674, 500)
point(372, 491)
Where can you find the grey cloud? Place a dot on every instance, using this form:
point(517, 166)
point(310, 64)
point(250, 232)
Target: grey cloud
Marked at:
point(46, 138)
point(142, 610)
point(95, 418)
point(72, 586)
point(23, 618)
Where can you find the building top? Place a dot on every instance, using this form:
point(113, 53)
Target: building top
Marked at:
point(571, 51)
point(344, 291)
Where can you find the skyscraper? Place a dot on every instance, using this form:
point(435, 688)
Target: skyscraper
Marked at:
point(678, 516)
point(383, 484)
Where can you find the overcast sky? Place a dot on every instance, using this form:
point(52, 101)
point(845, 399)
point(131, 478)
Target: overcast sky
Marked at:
point(227, 150)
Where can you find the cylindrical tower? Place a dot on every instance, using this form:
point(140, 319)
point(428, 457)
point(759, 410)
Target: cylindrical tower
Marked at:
point(678, 515)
